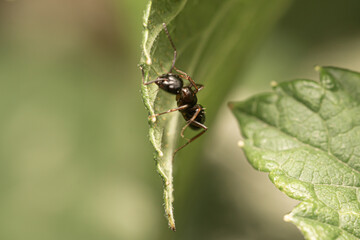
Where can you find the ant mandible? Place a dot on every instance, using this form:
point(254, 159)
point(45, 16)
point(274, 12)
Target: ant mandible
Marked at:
point(186, 99)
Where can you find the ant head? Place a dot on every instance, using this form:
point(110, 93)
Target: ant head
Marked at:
point(170, 83)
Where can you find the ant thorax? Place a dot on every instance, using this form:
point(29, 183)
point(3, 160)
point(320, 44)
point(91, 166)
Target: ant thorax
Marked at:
point(186, 97)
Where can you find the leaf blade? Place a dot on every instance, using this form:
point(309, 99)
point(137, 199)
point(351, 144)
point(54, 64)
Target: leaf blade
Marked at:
point(152, 27)
point(293, 134)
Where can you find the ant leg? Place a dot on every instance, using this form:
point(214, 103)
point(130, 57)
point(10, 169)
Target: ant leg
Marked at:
point(154, 81)
point(194, 138)
point(200, 87)
point(173, 46)
point(190, 121)
point(170, 110)
point(184, 75)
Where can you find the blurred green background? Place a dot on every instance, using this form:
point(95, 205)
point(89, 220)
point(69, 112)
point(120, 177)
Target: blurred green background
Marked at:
point(75, 160)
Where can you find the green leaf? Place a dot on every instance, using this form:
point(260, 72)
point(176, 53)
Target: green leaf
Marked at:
point(307, 136)
point(213, 40)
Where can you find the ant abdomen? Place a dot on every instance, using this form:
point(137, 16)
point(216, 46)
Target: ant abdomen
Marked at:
point(200, 118)
point(170, 83)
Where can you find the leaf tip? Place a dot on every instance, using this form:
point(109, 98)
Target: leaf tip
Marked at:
point(327, 80)
point(171, 221)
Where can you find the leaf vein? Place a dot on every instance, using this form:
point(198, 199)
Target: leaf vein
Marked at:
point(326, 128)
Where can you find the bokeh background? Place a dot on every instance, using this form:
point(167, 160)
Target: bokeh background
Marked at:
point(75, 160)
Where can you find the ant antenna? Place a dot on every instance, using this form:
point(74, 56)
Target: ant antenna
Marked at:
point(173, 46)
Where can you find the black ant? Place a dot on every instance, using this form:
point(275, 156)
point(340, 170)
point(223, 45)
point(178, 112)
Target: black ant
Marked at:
point(186, 98)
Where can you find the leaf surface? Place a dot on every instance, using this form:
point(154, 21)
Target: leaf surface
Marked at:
point(307, 136)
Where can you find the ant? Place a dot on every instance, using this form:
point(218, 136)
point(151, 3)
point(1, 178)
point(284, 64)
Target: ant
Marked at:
point(186, 99)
